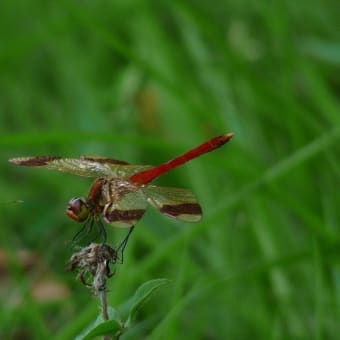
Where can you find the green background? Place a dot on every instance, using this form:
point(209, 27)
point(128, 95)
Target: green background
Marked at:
point(143, 81)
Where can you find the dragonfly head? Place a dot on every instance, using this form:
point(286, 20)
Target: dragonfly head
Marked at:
point(77, 209)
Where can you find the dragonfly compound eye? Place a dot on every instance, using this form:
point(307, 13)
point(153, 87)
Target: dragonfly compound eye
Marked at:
point(77, 209)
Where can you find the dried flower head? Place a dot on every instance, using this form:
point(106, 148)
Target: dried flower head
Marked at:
point(93, 262)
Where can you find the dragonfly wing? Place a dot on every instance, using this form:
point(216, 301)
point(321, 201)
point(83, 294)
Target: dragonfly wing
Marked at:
point(76, 166)
point(127, 211)
point(174, 202)
point(86, 166)
point(117, 168)
point(125, 171)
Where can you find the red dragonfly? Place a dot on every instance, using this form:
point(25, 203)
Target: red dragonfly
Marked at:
point(121, 191)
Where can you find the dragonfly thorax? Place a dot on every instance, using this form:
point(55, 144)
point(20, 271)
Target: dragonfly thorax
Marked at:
point(77, 209)
point(114, 189)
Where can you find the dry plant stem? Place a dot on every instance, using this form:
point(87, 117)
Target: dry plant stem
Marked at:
point(105, 315)
point(103, 303)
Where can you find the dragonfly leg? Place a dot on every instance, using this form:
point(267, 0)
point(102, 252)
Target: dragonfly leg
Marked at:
point(122, 245)
point(101, 231)
point(76, 238)
point(89, 229)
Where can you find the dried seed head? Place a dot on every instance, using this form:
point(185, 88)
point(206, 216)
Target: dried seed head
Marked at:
point(93, 263)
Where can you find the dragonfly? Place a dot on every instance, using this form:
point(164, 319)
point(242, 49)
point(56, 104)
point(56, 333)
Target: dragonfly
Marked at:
point(121, 191)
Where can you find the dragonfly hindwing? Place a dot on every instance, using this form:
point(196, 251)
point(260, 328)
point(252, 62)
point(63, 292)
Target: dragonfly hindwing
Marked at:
point(174, 202)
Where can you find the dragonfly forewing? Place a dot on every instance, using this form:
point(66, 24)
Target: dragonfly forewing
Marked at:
point(85, 166)
point(125, 171)
point(76, 166)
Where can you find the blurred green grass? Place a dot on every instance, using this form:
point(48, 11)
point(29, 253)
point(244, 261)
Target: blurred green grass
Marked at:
point(143, 81)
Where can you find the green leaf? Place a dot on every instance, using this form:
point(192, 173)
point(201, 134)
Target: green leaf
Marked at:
point(142, 293)
point(109, 327)
point(113, 316)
